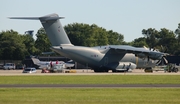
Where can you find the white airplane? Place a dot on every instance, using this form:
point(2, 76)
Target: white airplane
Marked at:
point(48, 64)
point(100, 58)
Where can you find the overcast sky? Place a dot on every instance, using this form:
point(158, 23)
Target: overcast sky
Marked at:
point(127, 17)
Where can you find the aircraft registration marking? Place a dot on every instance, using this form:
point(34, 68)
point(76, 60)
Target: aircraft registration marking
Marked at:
point(59, 28)
point(94, 55)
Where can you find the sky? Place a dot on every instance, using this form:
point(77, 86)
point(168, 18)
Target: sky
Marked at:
point(127, 17)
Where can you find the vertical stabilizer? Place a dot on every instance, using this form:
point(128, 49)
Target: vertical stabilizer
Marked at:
point(53, 28)
point(35, 61)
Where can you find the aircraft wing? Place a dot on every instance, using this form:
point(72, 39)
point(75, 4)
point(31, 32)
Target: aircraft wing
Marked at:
point(141, 52)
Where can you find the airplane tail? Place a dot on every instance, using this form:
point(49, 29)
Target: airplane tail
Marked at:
point(35, 61)
point(53, 28)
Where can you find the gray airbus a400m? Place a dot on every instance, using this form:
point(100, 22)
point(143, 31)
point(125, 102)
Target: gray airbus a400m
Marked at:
point(100, 58)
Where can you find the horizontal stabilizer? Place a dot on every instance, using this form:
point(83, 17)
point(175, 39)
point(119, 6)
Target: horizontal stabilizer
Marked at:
point(30, 18)
point(44, 18)
point(50, 18)
point(37, 18)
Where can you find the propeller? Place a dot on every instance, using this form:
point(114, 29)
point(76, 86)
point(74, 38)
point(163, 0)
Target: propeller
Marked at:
point(162, 61)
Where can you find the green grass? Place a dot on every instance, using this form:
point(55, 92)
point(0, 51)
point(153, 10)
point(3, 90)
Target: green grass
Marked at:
point(90, 96)
point(93, 79)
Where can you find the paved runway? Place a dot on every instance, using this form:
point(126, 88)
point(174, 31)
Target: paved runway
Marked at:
point(84, 72)
point(91, 86)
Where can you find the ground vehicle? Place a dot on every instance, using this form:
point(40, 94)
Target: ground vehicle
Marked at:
point(150, 70)
point(44, 70)
point(56, 68)
point(9, 66)
point(171, 68)
point(29, 70)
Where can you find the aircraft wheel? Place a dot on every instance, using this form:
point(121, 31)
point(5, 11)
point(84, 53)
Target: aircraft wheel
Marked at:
point(95, 70)
point(106, 70)
point(114, 71)
point(176, 70)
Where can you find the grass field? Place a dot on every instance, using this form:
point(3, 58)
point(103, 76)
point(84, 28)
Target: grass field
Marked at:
point(93, 79)
point(90, 95)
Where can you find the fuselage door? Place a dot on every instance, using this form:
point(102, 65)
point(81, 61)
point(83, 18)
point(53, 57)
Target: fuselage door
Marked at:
point(105, 61)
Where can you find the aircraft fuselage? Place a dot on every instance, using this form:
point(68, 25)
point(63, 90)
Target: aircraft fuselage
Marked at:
point(98, 59)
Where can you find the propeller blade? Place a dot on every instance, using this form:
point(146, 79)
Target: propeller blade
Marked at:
point(159, 61)
point(165, 60)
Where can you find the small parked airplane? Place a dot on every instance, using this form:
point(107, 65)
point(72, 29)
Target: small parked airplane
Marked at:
point(100, 58)
point(48, 64)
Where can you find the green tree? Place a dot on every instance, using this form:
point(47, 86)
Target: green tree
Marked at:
point(11, 45)
point(177, 32)
point(75, 33)
point(42, 42)
point(167, 41)
point(139, 42)
point(91, 35)
point(100, 36)
point(115, 38)
point(151, 37)
point(29, 42)
point(163, 40)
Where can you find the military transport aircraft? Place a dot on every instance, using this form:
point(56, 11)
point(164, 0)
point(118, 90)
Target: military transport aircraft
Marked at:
point(100, 58)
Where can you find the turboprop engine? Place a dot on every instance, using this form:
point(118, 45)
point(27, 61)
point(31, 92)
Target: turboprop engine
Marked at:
point(125, 66)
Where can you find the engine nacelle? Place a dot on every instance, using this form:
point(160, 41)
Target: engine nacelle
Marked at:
point(141, 55)
point(152, 55)
point(155, 57)
point(125, 66)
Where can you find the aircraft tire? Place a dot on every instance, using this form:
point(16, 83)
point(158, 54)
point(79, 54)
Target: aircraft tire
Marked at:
point(106, 70)
point(113, 71)
point(98, 70)
point(176, 70)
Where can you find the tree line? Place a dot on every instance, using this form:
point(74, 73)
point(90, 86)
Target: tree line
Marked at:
point(15, 46)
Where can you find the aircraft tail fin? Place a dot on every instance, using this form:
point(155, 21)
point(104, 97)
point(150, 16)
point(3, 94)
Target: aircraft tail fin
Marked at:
point(35, 61)
point(53, 28)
